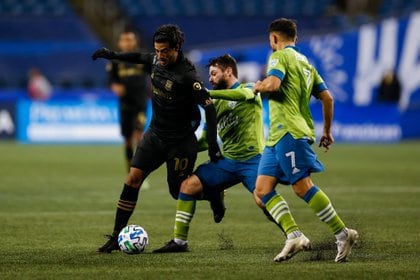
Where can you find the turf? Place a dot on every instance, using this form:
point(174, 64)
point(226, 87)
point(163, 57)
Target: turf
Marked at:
point(57, 202)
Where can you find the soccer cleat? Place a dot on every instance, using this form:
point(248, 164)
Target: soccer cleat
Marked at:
point(292, 247)
point(110, 245)
point(217, 204)
point(344, 247)
point(172, 247)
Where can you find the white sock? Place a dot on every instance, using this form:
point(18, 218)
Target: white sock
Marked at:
point(180, 241)
point(342, 235)
point(294, 234)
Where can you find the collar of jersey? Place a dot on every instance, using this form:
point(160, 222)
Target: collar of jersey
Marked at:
point(235, 85)
point(293, 47)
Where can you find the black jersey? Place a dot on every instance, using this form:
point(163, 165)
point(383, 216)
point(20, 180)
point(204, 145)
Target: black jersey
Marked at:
point(134, 78)
point(174, 99)
point(176, 92)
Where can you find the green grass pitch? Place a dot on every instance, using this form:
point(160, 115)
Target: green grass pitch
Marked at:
point(57, 202)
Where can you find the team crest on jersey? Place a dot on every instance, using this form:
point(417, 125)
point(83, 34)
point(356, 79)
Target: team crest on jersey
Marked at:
point(197, 86)
point(273, 62)
point(232, 104)
point(168, 85)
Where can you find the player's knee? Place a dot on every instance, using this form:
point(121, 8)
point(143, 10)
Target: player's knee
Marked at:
point(258, 201)
point(135, 177)
point(258, 194)
point(192, 185)
point(302, 186)
point(264, 185)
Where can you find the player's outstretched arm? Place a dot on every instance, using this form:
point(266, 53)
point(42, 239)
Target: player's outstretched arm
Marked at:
point(237, 94)
point(268, 85)
point(133, 57)
point(103, 53)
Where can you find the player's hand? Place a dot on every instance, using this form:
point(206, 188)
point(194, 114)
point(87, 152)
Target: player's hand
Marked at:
point(257, 86)
point(214, 153)
point(103, 53)
point(326, 141)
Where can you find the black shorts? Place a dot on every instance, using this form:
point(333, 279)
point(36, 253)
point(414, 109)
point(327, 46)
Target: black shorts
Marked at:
point(131, 121)
point(180, 157)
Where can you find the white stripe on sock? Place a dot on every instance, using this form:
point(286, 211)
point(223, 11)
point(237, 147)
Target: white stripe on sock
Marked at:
point(279, 210)
point(327, 214)
point(280, 204)
point(183, 217)
point(323, 211)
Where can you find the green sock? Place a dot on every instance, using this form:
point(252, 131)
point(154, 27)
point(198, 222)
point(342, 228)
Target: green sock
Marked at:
point(279, 210)
point(184, 213)
point(321, 205)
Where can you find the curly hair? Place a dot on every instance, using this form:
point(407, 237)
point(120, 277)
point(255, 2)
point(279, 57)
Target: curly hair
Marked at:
point(169, 33)
point(224, 61)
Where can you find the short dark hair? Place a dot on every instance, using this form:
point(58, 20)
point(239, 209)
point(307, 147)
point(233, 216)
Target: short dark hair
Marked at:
point(132, 31)
point(169, 33)
point(224, 61)
point(285, 26)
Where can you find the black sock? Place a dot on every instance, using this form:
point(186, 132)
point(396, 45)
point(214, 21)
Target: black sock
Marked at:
point(125, 207)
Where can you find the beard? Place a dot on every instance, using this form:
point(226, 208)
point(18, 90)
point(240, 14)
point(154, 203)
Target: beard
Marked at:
point(222, 84)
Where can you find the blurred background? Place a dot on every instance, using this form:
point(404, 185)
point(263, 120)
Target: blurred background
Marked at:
point(368, 52)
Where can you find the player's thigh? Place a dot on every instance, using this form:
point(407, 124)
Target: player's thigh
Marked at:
point(270, 166)
point(180, 163)
point(149, 154)
point(217, 176)
point(297, 158)
point(248, 171)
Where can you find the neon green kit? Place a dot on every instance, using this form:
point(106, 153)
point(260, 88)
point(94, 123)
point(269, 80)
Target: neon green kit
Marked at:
point(239, 121)
point(289, 107)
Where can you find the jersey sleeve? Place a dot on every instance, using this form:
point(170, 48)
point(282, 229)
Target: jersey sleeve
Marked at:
point(319, 85)
point(201, 94)
point(135, 57)
point(236, 94)
point(277, 65)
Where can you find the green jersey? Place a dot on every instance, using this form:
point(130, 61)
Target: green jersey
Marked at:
point(239, 121)
point(289, 107)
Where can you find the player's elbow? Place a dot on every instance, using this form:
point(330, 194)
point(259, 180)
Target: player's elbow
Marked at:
point(326, 97)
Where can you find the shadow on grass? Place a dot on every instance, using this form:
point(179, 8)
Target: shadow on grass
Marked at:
point(327, 250)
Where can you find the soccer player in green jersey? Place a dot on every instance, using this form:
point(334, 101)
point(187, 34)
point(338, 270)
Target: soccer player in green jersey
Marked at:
point(288, 157)
point(239, 122)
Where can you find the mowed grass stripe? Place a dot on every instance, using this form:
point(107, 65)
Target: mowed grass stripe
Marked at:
point(57, 202)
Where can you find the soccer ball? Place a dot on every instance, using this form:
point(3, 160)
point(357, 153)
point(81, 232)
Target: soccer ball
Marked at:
point(133, 239)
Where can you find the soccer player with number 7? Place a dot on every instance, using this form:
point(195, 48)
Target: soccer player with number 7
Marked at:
point(288, 157)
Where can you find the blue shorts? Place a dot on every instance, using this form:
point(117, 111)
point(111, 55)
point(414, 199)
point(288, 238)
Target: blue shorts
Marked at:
point(226, 173)
point(289, 160)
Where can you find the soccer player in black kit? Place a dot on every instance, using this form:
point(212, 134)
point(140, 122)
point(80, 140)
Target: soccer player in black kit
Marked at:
point(129, 81)
point(170, 139)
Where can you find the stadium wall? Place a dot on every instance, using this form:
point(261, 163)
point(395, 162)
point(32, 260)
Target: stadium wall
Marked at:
point(352, 64)
point(92, 117)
